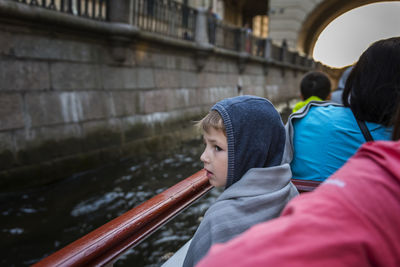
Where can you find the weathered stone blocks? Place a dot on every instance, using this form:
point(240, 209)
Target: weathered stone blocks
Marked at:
point(95, 105)
point(44, 109)
point(53, 107)
point(188, 79)
point(47, 47)
point(7, 158)
point(73, 76)
point(119, 78)
point(24, 75)
point(101, 134)
point(11, 111)
point(145, 78)
point(181, 98)
point(146, 58)
point(167, 78)
point(66, 98)
point(155, 100)
point(126, 103)
point(5, 41)
point(47, 143)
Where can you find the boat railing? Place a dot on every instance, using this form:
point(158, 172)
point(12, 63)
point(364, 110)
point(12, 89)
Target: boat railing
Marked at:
point(107, 243)
point(304, 186)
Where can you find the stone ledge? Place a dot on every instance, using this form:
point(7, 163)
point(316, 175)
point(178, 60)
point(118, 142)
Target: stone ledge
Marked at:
point(37, 175)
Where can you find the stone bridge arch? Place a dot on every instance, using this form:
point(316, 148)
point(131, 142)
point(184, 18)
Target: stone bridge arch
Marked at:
point(301, 22)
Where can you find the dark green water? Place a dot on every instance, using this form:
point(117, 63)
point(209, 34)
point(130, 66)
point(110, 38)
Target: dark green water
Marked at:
point(37, 223)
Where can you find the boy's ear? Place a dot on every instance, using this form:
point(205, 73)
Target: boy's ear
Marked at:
point(301, 96)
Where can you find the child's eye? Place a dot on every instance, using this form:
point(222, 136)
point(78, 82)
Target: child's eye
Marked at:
point(217, 148)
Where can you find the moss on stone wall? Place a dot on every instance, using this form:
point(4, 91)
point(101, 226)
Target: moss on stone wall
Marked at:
point(49, 162)
point(48, 150)
point(7, 159)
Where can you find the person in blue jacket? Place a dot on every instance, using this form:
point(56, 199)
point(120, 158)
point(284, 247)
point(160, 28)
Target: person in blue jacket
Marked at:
point(322, 136)
point(314, 86)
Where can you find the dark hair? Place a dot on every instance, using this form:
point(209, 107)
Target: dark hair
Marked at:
point(315, 83)
point(373, 86)
point(396, 125)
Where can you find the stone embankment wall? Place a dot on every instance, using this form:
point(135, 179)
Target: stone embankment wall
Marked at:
point(75, 93)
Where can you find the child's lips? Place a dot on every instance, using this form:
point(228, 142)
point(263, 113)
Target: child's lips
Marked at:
point(209, 174)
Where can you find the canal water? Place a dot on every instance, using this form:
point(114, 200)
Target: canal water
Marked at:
point(37, 223)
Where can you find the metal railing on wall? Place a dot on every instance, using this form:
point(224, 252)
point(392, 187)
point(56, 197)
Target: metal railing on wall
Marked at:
point(256, 46)
point(176, 20)
point(234, 38)
point(224, 36)
point(93, 9)
point(165, 17)
point(276, 52)
point(239, 39)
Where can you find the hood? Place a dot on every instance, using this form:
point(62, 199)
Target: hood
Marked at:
point(255, 134)
point(343, 78)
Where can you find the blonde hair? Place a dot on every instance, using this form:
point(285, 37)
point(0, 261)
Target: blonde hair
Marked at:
point(212, 120)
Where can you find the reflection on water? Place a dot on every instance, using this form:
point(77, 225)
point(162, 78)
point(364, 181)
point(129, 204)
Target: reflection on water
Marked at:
point(35, 224)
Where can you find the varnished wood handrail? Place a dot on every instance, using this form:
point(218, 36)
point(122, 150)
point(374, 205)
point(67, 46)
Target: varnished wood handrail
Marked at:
point(305, 185)
point(109, 241)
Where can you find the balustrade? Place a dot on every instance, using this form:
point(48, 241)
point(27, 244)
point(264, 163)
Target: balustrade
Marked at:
point(93, 9)
point(165, 17)
point(178, 21)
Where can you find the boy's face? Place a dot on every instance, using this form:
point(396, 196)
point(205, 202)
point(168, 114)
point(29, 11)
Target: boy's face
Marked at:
point(215, 157)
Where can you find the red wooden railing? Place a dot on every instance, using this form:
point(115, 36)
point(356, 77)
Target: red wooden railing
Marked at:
point(105, 244)
point(305, 185)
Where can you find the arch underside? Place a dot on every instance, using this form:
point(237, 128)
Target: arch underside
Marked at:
point(321, 16)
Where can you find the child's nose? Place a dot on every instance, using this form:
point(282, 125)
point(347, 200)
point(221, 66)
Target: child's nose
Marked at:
point(204, 158)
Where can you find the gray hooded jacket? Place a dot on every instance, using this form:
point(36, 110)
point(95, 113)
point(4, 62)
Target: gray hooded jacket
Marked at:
point(258, 187)
point(336, 96)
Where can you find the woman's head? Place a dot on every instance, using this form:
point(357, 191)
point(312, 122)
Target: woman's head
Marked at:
point(372, 89)
point(396, 125)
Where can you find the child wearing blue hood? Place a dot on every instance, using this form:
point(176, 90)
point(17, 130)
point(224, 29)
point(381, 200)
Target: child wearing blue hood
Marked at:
point(244, 142)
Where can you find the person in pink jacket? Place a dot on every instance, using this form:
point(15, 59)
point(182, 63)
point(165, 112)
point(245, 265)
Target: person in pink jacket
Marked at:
point(352, 219)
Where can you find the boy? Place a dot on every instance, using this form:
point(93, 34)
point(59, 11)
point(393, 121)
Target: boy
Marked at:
point(244, 142)
point(316, 86)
